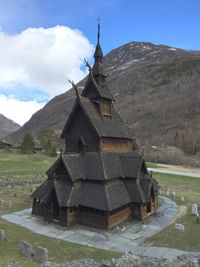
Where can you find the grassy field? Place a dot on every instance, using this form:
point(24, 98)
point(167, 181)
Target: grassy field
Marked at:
point(59, 251)
point(23, 168)
point(190, 239)
point(169, 237)
point(18, 196)
point(16, 163)
point(188, 187)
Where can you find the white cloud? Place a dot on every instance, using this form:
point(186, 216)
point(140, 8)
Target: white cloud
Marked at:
point(17, 110)
point(43, 58)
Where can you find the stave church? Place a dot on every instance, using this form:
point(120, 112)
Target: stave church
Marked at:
point(99, 180)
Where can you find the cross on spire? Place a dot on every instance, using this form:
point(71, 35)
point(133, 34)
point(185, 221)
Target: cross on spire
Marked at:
point(98, 36)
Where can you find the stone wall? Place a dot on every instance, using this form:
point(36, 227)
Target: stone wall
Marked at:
point(128, 260)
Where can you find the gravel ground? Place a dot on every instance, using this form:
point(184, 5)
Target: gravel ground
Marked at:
point(128, 260)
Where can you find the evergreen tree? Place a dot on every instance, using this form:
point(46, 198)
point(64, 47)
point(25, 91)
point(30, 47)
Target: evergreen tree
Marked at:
point(28, 145)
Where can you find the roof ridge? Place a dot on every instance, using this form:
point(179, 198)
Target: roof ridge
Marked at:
point(141, 191)
point(67, 167)
point(127, 128)
point(54, 165)
point(121, 167)
point(107, 197)
point(69, 198)
point(103, 166)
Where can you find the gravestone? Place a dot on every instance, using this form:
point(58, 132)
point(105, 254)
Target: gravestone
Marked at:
point(179, 227)
point(41, 254)
point(173, 193)
point(2, 235)
point(194, 209)
point(182, 199)
point(198, 219)
point(10, 205)
point(25, 249)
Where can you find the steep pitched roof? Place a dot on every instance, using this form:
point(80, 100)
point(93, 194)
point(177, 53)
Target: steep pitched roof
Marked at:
point(135, 191)
point(93, 196)
point(98, 52)
point(130, 169)
point(104, 197)
point(100, 166)
point(101, 90)
point(63, 191)
point(104, 126)
point(67, 194)
point(54, 166)
point(117, 195)
point(148, 184)
point(43, 192)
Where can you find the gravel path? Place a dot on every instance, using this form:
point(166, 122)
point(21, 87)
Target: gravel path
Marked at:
point(190, 174)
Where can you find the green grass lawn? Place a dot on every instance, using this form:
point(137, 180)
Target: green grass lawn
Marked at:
point(18, 196)
point(16, 163)
point(59, 251)
point(188, 187)
point(154, 165)
point(169, 237)
point(190, 239)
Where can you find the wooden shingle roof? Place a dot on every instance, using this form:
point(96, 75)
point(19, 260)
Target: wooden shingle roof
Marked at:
point(100, 166)
point(104, 126)
point(136, 192)
point(67, 194)
point(104, 197)
point(43, 192)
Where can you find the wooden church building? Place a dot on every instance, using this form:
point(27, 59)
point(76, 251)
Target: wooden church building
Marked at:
point(99, 180)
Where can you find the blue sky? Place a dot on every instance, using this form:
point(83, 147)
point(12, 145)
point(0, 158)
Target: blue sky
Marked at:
point(172, 22)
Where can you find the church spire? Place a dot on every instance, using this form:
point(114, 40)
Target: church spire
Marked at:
point(98, 35)
point(98, 69)
point(98, 55)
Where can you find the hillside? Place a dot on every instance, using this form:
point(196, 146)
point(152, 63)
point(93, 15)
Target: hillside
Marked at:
point(7, 126)
point(156, 89)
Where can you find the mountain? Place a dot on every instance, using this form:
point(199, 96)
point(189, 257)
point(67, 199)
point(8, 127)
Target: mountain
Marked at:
point(7, 126)
point(157, 92)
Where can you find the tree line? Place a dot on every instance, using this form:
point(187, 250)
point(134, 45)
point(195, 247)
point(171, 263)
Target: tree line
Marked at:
point(47, 141)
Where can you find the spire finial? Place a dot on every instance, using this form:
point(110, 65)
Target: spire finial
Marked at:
point(75, 89)
point(88, 65)
point(98, 37)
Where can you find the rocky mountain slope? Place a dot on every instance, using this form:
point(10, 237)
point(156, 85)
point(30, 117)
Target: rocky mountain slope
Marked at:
point(7, 126)
point(157, 91)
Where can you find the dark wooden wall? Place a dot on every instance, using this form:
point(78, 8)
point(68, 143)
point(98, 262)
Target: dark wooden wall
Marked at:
point(80, 126)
